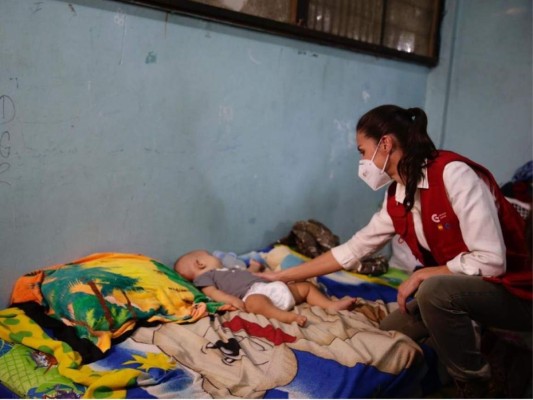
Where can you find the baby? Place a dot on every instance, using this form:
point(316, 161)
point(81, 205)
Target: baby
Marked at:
point(251, 293)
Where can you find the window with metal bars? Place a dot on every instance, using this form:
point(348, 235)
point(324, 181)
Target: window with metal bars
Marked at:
point(401, 29)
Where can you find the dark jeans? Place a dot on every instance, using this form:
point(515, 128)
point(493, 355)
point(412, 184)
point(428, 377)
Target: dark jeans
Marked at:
point(443, 310)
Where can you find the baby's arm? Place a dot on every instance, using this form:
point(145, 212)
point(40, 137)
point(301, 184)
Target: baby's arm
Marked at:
point(255, 266)
point(223, 297)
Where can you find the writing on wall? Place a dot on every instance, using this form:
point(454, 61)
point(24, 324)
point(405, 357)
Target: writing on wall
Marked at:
point(7, 115)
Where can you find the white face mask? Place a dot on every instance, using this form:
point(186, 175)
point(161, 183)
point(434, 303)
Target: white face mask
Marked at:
point(373, 176)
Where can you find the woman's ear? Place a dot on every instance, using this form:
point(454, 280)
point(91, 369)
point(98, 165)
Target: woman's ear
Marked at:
point(387, 142)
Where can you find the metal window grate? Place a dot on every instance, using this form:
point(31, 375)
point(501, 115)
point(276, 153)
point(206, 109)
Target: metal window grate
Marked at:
point(401, 29)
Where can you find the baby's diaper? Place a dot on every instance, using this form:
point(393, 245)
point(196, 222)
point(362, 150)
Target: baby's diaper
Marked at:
point(277, 291)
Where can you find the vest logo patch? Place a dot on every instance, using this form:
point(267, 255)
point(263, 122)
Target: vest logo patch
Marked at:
point(438, 217)
point(446, 226)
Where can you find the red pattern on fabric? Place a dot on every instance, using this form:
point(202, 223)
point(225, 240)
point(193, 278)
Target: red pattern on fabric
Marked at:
point(275, 335)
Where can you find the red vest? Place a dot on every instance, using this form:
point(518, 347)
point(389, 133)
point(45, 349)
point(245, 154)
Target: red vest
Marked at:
point(443, 233)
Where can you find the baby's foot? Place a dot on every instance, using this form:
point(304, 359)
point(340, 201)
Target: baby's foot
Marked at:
point(300, 319)
point(346, 303)
point(289, 317)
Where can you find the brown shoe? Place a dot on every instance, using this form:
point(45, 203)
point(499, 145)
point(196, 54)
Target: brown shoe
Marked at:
point(476, 389)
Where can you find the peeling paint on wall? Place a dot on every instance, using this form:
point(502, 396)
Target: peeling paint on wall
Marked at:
point(225, 113)
point(151, 58)
point(120, 20)
point(252, 58)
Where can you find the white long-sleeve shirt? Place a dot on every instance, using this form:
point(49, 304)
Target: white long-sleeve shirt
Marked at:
point(475, 207)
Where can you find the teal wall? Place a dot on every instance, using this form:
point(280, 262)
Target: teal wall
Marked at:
point(126, 129)
point(479, 97)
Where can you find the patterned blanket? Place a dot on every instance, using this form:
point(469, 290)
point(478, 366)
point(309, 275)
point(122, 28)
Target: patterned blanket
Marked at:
point(341, 355)
point(24, 342)
point(232, 354)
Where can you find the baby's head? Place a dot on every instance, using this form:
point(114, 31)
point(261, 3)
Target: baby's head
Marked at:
point(195, 263)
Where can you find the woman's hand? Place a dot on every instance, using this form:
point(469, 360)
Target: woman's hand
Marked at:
point(269, 275)
point(410, 286)
point(321, 265)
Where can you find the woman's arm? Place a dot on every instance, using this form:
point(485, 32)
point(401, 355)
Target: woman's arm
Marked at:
point(223, 297)
point(321, 265)
point(366, 241)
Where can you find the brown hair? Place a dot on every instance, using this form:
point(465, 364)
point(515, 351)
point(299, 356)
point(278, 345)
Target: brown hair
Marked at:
point(409, 127)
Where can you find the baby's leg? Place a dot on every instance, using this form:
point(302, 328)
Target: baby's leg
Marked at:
point(261, 304)
point(306, 291)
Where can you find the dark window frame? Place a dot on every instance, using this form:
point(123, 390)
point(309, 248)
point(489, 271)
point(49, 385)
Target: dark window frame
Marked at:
point(234, 18)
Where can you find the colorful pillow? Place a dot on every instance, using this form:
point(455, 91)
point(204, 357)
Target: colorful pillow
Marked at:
point(105, 295)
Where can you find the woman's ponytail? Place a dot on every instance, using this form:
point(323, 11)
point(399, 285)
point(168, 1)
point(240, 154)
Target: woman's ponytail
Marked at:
point(419, 118)
point(418, 149)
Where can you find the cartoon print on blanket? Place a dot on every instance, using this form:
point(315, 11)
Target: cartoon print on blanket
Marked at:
point(228, 363)
point(245, 355)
